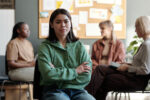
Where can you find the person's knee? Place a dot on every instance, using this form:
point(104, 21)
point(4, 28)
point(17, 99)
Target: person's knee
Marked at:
point(84, 96)
point(55, 96)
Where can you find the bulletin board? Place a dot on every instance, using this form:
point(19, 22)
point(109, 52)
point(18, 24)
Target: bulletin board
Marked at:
point(86, 15)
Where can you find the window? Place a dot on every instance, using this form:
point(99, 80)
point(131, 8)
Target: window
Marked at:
point(7, 4)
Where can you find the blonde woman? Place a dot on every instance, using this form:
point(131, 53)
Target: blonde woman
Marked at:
point(109, 48)
point(128, 77)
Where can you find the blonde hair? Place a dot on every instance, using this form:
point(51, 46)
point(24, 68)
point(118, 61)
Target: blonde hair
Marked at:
point(108, 23)
point(143, 24)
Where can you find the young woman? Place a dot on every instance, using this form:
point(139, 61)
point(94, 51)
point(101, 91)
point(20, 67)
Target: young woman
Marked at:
point(20, 54)
point(63, 62)
point(109, 48)
point(128, 77)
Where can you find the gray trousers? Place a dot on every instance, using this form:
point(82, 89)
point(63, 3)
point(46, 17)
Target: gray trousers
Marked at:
point(22, 74)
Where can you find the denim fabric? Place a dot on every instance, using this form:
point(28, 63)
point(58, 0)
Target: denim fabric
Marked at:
point(65, 94)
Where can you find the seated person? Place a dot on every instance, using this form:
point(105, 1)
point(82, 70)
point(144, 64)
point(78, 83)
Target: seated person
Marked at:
point(20, 54)
point(109, 48)
point(127, 77)
point(64, 64)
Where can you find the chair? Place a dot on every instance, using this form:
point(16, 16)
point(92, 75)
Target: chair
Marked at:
point(16, 90)
point(127, 93)
point(37, 89)
point(116, 95)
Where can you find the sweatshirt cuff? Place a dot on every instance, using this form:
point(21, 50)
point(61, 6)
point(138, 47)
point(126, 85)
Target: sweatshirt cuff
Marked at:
point(131, 69)
point(75, 73)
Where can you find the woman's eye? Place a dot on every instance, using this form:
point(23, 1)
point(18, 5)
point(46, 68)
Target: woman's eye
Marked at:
point(67, 21)
point(57, 22)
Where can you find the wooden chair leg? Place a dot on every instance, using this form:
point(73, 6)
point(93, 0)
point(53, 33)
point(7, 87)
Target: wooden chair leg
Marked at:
point(17, 94)
point(30, 91)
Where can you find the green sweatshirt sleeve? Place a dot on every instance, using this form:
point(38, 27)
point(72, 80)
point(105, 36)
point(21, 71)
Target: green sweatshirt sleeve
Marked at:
point(52, 74)
point(85, 77)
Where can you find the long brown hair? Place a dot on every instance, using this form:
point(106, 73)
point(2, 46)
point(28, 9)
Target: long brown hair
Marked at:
point(52, 36)
point(108, 23)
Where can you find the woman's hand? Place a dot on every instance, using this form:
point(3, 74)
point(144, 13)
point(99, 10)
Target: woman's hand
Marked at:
point(31, 64)
point(123, 67)
point(51, 65)
point(83, 68)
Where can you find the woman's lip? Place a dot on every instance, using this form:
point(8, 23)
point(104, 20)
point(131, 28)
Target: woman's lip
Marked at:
point(63, 30)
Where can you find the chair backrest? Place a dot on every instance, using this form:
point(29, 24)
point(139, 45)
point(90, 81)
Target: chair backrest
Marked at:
point(6, 64)
point(37, 89)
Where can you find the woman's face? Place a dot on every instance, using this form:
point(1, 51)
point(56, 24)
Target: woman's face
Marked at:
point(24, 31)
point(106, 31)
point(61, 26)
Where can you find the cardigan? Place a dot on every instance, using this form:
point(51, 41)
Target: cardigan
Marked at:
point(141, 60)
point(116, 52)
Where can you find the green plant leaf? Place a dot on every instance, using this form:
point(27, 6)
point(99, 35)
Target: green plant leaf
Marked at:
point(133, 46)
point(135, 36)
point(135, 50)
point(129, 48)
point(133, 43)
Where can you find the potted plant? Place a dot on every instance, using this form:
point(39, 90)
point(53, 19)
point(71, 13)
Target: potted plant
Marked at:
point(134, 45)
point(132, 48)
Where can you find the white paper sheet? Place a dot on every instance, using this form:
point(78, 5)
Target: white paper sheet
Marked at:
point(44, 29)
point(92, 29)
point(118, 2)
point(106, 1)
point(98, 13)
point(117, 10)
point(67, 5)
point(118, 27)
point(83, 17)
point(75, 32)
point(75, 21)
point(83, 3)
point(49, 4)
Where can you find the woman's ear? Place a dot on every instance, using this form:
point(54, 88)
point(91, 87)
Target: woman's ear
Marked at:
point(18, 30)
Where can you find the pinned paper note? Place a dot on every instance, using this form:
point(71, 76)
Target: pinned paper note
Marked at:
point(67, 4)
point(59, 3)
point(115, 19)
point(92, 29)
point(75, 21)
point(117, 10)
point(118, 27)
point(98, 13)
point(105, 1)
point(44, 29)
point(75, 32)
point(49, 4)
point(83, 17)
point(118, 2)
point(44, 14)
point(83, 3)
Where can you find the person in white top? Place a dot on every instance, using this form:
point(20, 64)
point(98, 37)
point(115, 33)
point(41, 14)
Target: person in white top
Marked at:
point(127, 77)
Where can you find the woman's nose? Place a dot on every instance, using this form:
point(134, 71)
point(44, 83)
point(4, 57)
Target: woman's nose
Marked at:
point(62, 24)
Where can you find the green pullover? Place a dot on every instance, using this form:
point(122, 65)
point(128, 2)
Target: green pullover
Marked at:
point(65, 61)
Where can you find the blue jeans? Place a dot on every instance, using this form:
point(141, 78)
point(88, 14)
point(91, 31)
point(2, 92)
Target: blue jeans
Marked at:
point(66, 94)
